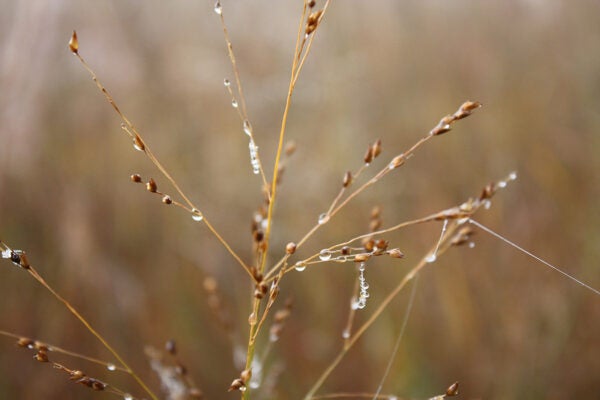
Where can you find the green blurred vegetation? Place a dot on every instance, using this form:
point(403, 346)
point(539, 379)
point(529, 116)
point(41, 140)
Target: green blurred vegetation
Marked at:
point(500, 323)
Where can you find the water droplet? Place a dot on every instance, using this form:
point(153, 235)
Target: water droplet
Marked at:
point(243, 389)
point(512, 176)
point(234, 103)
point(323, 218)
point(226, 82)
point(6, 254)
point(218, 9)
point(431, 258)
point(325, 255)
point(300, 266)
point(487, 204)
point(196, 215)
point(254, 385)
point(346, 334)
point(252, 319)
point(137, 146)
point(461, 221)
point(127, 396)
point(111, 367)
point(247, 127)
point(471, 245)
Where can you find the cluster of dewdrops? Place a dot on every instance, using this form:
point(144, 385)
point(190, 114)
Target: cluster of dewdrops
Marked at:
point(361, 302)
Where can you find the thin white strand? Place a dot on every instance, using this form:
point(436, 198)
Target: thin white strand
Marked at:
point(488, 230)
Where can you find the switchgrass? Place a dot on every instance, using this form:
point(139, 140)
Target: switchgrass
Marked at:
point(270, 267)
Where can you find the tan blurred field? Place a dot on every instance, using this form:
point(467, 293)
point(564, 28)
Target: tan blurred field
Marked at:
point(502, 324)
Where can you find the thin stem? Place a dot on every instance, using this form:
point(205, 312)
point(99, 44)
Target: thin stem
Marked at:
point(87, 325)
point(132, 131)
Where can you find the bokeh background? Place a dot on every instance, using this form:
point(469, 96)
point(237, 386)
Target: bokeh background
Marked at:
point(490, 317)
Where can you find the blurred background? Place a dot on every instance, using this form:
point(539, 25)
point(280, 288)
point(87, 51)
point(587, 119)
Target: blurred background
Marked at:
point(502, 324)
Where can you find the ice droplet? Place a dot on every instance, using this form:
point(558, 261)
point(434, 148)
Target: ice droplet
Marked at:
point(325, 255)
point(300, 266)
point(323, 218)
point(196, 216)
point(111, 367)
point(218, 9)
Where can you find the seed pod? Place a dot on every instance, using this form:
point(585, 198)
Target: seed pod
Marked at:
point(74, 43)
point(167, 199)
point(347, 179)
point(151, 186)
point(290, 248)
point(137, 178)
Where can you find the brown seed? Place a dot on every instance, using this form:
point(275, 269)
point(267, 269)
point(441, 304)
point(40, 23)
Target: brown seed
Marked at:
point(361, 257)
point(368, 155)
point(137, 178)
point(376, 148)
point(74, 43)
point(76, 375)
point(290, 248)
point(452, 390)
point(312, 3)
point(245, 375)
point(139, 143)
point(346, 250)
point(237, 384)
point(41, 356)
point(167, 199)
point(151, 186)
point(347, 179)
point(382, 244)
point(25, 342)
point(397, 161)
point(23, 261)
point(396, 253)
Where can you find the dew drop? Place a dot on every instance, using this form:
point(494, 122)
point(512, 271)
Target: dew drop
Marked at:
point(323, 218)
point(252, 319)
point(300, 266)
point(111, 367)
point(218, 9)
point(346, 334)
point(431, 258)
point(487, 204)
point(325, 255)
point(471, 245)
point(512, 176)
point(127, 396)
point(243, 389)
point(226, 82)
point(137, 146)
point(196, 216)
point(234, 103)
point(254, 385)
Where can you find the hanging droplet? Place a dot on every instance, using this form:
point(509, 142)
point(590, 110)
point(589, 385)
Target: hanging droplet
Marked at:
point(300, 266)
point(431, 258)
point(487, 204)
point(346, 334)
point(196, 215)
point(234, 103)
point(127, 396)
point(325, 255)
point(323, 218)
point(111, 367)
point(218, 9)
point(226, 82)
point(471, 245)
point(512, 176)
